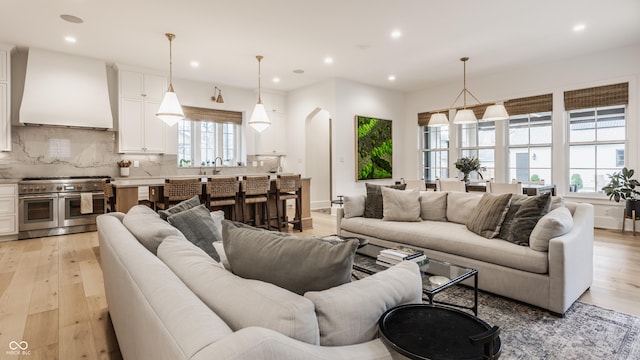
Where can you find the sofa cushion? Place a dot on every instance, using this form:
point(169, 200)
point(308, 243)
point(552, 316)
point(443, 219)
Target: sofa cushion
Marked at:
point(198, 226)
point(400, 205)
point(433, 205)
point(555, 223)
point(240, 302)
point(460, 205)
point(147, 227)
point(373, 204)
point(348, 314)
point(526, 218)
point(295, 263)
point(450, 238)
point(181, 206)
point(488, 215)
point(354, 205)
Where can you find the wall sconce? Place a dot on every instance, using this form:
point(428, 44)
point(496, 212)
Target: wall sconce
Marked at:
point(217, 98)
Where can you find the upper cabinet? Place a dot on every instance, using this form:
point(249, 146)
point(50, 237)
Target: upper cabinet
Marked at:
point(5, 98)
point(140, 130)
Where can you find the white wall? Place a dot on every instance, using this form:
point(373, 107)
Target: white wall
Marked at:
point(608, 67)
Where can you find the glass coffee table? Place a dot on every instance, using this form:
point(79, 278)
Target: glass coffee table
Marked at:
point(437, 275)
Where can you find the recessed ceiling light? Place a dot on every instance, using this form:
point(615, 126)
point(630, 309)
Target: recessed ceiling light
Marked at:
point(579, 27)
point(328, 60)
point(71, 19)
point(298, 71)
point(395, 34)
point(392, 78)
point(194, 64)
point(276, 80)
point(70, 39)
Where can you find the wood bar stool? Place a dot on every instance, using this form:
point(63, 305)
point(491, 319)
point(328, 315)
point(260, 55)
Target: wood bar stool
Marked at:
point(223, 192)
point(255, 190)
point(107, 187)
point(177, 190)
point(288, 187)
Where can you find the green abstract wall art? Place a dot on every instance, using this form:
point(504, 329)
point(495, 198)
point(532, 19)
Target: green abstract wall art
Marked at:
point(374, 148)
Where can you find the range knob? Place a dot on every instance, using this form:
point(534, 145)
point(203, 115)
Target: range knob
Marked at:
point(59, 188)
point(79, 187)
point(30, 188)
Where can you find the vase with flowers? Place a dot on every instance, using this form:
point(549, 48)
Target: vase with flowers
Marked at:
point(467, 165)
point(124, 167)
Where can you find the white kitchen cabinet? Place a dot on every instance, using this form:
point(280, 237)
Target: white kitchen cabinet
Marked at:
point(5, 98)
point(8, 211)
point(140, 131)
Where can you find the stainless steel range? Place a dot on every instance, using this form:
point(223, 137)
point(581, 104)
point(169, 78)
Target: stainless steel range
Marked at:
point(59, 205)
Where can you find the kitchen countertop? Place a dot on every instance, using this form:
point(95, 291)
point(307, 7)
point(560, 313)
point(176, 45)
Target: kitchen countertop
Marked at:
point(9, 181)
point(123, 182)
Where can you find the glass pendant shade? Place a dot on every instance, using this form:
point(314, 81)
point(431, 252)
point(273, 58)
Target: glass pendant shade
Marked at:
point(438, 119)
point(465, 116)
point(170, 110)
point(259, 119)
point(495, 112)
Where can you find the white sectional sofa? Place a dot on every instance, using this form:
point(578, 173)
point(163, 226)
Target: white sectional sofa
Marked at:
point(552, 279)
point(182, 304)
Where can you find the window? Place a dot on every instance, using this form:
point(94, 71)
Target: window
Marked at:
point(435, 153)
point(529, 142)
point(597, 139)
point(201, 142)
point(479, 140)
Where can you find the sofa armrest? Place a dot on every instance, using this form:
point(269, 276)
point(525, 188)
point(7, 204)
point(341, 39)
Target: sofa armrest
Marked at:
point(260, 343)
point(571, 261)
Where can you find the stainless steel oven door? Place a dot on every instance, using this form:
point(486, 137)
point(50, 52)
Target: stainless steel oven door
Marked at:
point(70, 209)
point(38, 211)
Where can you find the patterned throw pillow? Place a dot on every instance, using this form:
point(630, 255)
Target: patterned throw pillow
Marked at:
point(373, 207)
point(525, 219)
point(488, 215)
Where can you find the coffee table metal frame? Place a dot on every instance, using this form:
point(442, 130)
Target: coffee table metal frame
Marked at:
point(371, 251)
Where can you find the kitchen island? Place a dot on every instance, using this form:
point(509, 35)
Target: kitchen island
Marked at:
point(129, 191)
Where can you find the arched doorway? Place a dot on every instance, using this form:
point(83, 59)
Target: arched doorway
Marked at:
point(318, 150)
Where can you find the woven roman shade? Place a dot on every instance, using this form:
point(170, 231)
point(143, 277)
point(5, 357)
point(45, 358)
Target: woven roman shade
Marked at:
point(608, 95)
point(213, 115)
point(424, 117)
point(530, 105)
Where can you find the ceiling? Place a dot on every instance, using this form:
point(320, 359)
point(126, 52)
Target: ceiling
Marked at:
point(224, 36)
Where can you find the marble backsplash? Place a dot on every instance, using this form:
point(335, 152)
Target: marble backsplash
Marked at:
point(57, 151)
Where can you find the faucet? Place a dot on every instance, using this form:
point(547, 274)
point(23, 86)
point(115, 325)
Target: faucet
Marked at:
point(215, 164)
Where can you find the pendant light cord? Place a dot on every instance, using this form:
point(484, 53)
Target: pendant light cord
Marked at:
point(259, 57)
point(170, 37)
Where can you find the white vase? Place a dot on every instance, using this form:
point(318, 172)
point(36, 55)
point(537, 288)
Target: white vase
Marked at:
point(124, 171)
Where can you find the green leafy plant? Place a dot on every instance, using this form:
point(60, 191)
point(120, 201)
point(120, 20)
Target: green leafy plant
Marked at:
point(576, 180)
point(621, 186)
point(467, 165)
point(535, 177)
point(184, 162)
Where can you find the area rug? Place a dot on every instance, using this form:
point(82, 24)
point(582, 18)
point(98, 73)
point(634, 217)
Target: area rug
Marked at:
point(585, 332)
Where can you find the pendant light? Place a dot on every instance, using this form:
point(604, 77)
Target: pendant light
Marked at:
point(259, 119)
point(170, 110)
point(467, 116)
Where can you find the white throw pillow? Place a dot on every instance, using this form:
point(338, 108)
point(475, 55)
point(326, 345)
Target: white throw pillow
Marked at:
point(433, 205)
point(354, 206)
point(555, 223)
point(217, 217)
point(348, 314)
point(460, 205)
point(219, 246)
point(400, 205)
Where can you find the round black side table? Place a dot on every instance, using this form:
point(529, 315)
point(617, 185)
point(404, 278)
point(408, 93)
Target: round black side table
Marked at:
point(422, 331)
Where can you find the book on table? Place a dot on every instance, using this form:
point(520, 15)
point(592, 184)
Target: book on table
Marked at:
point(390, 257)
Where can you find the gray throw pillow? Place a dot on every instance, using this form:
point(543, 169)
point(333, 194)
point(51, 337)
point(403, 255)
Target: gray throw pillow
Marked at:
point(373, 204)
point(525, 219)
point(147, 227)
point(401, 205)
point(182, 206)
point(198, 227)
point(294, 263)
point(488, 215)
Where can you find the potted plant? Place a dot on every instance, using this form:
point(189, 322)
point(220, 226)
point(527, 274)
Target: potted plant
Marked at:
point(622, 187)
point(466, 165)
point(124, 167)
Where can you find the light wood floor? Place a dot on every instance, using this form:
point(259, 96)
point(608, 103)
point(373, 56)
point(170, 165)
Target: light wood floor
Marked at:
point(52, 295)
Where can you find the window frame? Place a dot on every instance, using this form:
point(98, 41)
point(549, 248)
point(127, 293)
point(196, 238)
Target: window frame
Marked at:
point(218, 147)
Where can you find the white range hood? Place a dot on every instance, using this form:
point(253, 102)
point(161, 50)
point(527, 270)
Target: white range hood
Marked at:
point(65, 90)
